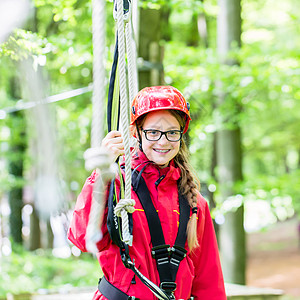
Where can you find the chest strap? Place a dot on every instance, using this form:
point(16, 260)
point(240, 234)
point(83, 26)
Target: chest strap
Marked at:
point(167, 258)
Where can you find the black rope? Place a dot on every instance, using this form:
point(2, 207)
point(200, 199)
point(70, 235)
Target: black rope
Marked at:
point(111, 89)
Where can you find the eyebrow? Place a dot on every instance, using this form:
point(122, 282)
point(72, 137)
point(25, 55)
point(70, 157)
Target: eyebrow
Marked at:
point(155, 127)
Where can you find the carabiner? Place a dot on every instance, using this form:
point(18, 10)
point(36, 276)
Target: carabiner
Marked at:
point(128, 263)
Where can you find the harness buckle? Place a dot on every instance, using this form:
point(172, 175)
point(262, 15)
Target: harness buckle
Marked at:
point(168, 286)
point(160, 251)
point(178, 252)
point(161, 254)
point(177, 255)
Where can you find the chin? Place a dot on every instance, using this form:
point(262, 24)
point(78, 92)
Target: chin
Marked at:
point(162, 164)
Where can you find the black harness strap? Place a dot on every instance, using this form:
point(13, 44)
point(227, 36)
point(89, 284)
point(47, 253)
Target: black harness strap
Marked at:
point(178, 251)
point(167, 258)
point(109, 291)
point(140, 187)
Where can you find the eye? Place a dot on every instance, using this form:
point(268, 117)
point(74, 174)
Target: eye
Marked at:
point(173, 132)
point(153, 132)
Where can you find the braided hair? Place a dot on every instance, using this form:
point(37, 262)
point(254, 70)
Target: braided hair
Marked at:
point(189, 186)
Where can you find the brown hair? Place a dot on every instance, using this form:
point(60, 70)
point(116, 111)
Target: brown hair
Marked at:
point(189, 184)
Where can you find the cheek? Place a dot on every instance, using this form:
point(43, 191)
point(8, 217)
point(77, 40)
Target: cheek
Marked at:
point(147, 146)
point(177, 147)
point(146, 143)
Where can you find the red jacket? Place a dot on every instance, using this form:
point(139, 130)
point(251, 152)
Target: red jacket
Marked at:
point(199, 274)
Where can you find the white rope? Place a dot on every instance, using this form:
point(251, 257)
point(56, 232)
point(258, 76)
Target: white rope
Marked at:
point(124, 204)
point(98, 98)
point(94, 234)
point(131, 55)
point(127, 238)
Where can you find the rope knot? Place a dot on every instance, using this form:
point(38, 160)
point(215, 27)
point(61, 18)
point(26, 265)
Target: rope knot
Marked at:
point(126, 204)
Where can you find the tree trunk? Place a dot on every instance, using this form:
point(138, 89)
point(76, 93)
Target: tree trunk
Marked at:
point(35, 231)
point(17, 148)
point(198, 25)
point(50, 235)
point(212, 202)
point(231, 233)
point(203, 29)
point(229, 26)
point(192, 38)
point(166, 32)
point(150, 50)
point(229, 156)
point(16, 160)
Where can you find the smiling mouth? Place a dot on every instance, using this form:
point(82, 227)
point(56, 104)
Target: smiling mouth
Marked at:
point(161, 151)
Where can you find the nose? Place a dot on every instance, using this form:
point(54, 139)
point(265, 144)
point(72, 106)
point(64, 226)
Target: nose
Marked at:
point(163, 139)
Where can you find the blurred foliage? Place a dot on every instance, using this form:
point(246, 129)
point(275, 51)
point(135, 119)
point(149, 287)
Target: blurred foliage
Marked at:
point(21, 44)
point(264, 84)
point(27, 272)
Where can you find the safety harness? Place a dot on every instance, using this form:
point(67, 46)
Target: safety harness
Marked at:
point(167, 258)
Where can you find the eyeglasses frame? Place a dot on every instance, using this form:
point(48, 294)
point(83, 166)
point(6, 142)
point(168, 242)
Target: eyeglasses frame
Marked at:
point(161, 134)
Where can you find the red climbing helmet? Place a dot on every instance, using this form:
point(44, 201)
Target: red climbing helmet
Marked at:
point(159, 98)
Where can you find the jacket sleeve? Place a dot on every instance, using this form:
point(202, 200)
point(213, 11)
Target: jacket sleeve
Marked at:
point(80, 219)
point(208, 282)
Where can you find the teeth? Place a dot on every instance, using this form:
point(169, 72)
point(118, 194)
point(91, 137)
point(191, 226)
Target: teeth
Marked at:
point(161, 151)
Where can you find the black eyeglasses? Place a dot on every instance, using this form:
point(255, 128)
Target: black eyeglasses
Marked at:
point(155, 135)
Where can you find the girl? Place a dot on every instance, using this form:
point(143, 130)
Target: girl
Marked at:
point(159, 118)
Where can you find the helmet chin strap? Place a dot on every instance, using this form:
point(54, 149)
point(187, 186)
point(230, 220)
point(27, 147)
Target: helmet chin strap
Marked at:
point(139, 137)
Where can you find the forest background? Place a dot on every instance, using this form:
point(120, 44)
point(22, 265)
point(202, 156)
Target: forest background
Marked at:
point(254, 94)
